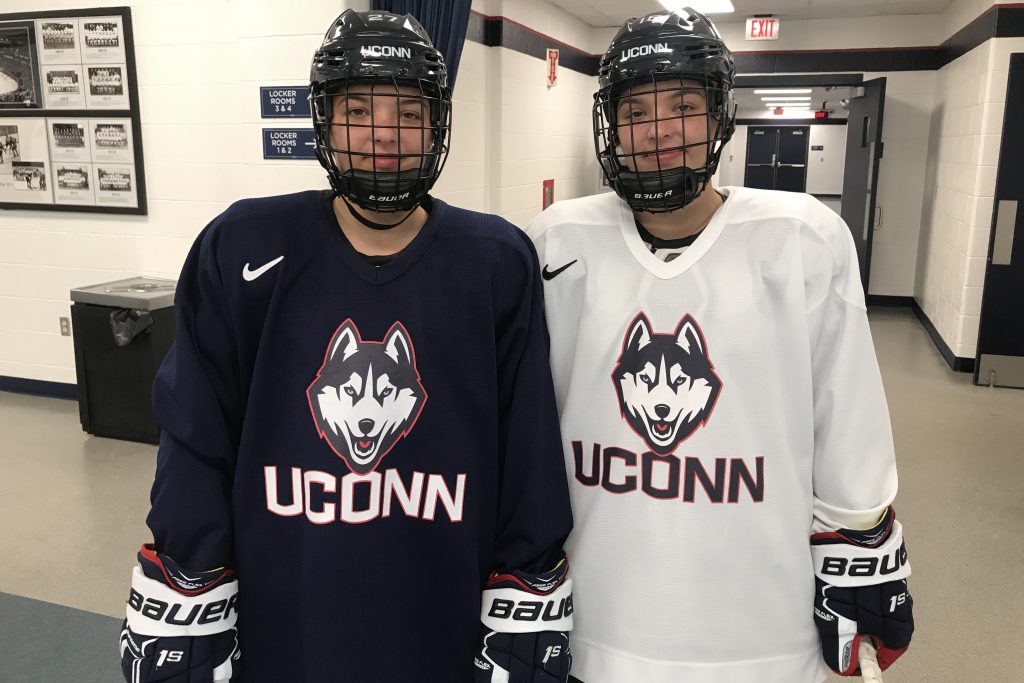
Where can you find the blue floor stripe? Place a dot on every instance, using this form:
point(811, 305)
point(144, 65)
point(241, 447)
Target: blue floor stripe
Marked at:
point(41, 641)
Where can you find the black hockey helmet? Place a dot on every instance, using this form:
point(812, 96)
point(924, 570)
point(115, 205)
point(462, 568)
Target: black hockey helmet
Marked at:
point(661, 51)
point(373, 49)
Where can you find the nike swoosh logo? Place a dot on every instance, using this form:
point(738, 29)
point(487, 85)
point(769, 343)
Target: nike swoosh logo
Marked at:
point(250, 275)
point(548, 274)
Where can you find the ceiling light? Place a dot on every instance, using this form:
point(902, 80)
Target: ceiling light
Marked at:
point(786, 99)
point(702, 6)
point(792, 91)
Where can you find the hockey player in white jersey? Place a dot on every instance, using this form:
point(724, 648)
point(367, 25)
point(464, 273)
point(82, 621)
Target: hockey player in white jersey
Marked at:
point(723, 418)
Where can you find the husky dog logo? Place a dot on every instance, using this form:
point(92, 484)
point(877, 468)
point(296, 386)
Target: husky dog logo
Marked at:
point(367, 395)
point(666, 384)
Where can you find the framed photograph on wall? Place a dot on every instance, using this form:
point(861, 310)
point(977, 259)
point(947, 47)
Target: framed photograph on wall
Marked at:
point(74, 184)
point(63, 86)
point(58, 41)
point(108, 87)
point(111, 140)
point(70, 140)
point(102, 39)
point(115, 184)
point(69, 120)
point(24, 162)
point(19, 66)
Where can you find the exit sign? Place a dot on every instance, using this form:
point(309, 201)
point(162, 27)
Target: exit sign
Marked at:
point(762, 28)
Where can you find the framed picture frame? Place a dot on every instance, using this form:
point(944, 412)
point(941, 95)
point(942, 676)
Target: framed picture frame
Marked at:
point(70, 128)
point(19, 66)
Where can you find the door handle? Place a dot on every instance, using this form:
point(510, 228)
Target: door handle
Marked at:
point(1006, 224)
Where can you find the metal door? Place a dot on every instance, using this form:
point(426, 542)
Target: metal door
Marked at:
point(791, 169)
point(777, 158)
point(1000, 357)
point(762, 147)
point(860, 177)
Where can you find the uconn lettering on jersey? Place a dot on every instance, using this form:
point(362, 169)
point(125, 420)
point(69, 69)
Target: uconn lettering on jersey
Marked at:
point(361, 498)
point(667, 389)
point(667, 477)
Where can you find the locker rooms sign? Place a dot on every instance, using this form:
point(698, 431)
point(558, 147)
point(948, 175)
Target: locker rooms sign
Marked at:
point(288, 143)
point(284, 102)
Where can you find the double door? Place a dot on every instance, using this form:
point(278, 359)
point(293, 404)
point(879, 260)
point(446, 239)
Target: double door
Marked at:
point(777, 158)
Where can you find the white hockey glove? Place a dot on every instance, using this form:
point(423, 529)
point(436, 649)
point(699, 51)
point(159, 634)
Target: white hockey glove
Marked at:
point(526, 623)
point(861, 592)
point(180, 625)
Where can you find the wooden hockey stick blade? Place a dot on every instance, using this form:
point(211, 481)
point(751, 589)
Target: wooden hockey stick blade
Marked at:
point(869, 669)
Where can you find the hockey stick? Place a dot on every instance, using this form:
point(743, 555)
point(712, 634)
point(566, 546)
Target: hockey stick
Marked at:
point(869, 670)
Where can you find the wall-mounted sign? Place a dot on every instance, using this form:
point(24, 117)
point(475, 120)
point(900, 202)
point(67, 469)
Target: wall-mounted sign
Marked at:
point(288, 143)
point(284, 102)
point(762, 28)
point(552, 67)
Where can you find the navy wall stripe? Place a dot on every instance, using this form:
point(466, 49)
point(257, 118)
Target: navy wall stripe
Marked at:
point(1000, 21)
point(790, 122)
point(38, 387)
point(502, 32)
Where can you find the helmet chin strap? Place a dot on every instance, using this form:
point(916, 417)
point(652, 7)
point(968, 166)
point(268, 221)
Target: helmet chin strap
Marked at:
point(373, 225)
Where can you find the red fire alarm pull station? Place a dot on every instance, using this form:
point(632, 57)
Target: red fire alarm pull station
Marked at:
point(549, 194)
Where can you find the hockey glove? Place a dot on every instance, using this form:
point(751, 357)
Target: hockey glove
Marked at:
point(526, 623)
point(180, 625)
point(861, 590)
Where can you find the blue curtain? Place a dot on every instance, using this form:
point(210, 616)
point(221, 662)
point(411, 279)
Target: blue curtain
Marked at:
point(444, 20)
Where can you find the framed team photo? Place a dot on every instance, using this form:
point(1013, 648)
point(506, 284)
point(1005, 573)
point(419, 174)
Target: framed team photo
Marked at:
point(63, 87)
point(102, 39)
point(115, 185)
point(70, 140)
point(58, 41)
point(19, 66)
point(73, 184)
point(24, 162)
point(111, 140)
point(107, 87)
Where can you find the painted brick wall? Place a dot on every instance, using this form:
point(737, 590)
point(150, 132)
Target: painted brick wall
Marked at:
point(966, 133)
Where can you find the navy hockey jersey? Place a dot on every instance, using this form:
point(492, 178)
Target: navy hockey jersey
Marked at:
point(363, 444)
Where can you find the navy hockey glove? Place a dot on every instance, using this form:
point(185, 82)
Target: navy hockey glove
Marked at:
point(526, 623)
point(861, 590)
point(180, 625)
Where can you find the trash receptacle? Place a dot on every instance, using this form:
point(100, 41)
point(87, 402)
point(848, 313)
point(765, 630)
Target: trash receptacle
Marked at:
point(122, 331)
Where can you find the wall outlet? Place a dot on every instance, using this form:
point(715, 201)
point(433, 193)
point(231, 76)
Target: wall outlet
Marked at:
point(65, 327)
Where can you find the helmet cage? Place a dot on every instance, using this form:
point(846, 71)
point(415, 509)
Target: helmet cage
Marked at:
point(393, 173)
point(387, 149)
point(668, 185)
point(667, 51)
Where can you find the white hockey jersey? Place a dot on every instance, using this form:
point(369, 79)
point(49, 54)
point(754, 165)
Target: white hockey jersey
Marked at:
point(713, 410)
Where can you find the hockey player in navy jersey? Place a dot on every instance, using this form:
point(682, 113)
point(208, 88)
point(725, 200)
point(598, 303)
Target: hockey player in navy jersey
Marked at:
point(360, 475)
point(722, 412)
